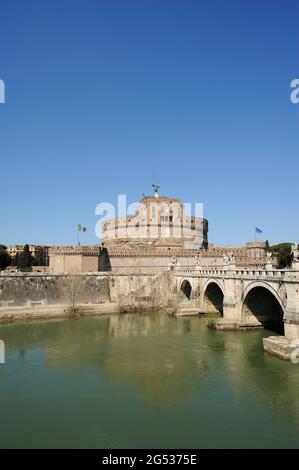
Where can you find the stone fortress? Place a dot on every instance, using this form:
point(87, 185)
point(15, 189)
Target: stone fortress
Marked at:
point(156, 238)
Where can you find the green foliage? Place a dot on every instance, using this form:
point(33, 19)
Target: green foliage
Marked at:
point(38, 259)
point(15, 260)
point(5, 259)
point(25, 259)
point(283, 253)
point(282, 246)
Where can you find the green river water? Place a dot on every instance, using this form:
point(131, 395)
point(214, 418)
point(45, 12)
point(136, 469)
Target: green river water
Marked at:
point(149, 381)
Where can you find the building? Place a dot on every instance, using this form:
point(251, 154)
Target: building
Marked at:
point(158, 237)
point(75, 259)
point(37, 251)
point(159, 222)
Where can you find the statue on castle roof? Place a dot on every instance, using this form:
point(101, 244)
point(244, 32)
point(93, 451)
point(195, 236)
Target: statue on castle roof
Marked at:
point(174, 261)
point(198, 259)
point(225, 258)
point(156, 190)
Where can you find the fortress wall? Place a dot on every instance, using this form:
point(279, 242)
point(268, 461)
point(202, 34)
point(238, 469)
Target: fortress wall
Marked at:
point(128, 257)
point(53, 288)
point(72, 264)
point(156, 264)
point(136, 289)
point(90, 264)
point(135, 264)
point(57, 263)
point(75, 263)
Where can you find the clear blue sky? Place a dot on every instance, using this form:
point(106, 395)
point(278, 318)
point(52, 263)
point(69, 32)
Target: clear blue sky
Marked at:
point(98, 93)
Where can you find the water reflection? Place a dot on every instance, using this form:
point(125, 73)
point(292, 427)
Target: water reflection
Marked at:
point(172, 362)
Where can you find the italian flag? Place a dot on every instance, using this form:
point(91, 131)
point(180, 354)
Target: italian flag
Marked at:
point(81, 228)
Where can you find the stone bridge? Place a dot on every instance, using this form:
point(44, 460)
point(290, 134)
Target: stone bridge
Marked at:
point(244, 297)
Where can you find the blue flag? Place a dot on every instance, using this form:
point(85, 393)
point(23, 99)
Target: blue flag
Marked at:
point(258, 230)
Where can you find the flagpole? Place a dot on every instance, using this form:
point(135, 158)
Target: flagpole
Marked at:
point(78, 242)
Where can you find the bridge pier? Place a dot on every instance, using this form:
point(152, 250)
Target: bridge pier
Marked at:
point(231, 308)
point(291, 330)
point(291, 316)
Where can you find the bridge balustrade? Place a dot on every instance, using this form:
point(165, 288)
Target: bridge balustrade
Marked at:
point(197, 271)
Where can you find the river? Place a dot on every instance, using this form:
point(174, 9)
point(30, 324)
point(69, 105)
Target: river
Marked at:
point(143, 381)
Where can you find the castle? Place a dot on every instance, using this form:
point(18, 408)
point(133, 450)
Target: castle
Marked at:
point(159, 236)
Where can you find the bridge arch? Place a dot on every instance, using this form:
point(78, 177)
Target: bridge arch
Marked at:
point(186, 289)
point(213, 297)
point(261, 301)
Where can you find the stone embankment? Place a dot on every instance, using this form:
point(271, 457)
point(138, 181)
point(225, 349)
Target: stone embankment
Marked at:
point(39, 312)
point(282, 347)
point(49, 295)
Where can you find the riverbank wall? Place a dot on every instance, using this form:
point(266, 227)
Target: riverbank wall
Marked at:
point(42, 312)
point(44, 295)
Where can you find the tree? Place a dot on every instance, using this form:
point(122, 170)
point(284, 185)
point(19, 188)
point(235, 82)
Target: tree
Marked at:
point(15, 260)
point(25, 259)
point(38, 259)
point(5, 259)
point(283, 253)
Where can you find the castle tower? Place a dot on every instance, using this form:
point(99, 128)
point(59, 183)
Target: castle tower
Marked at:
point(159, 221)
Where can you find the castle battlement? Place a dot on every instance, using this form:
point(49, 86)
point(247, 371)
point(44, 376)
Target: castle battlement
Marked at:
point(158, 237)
